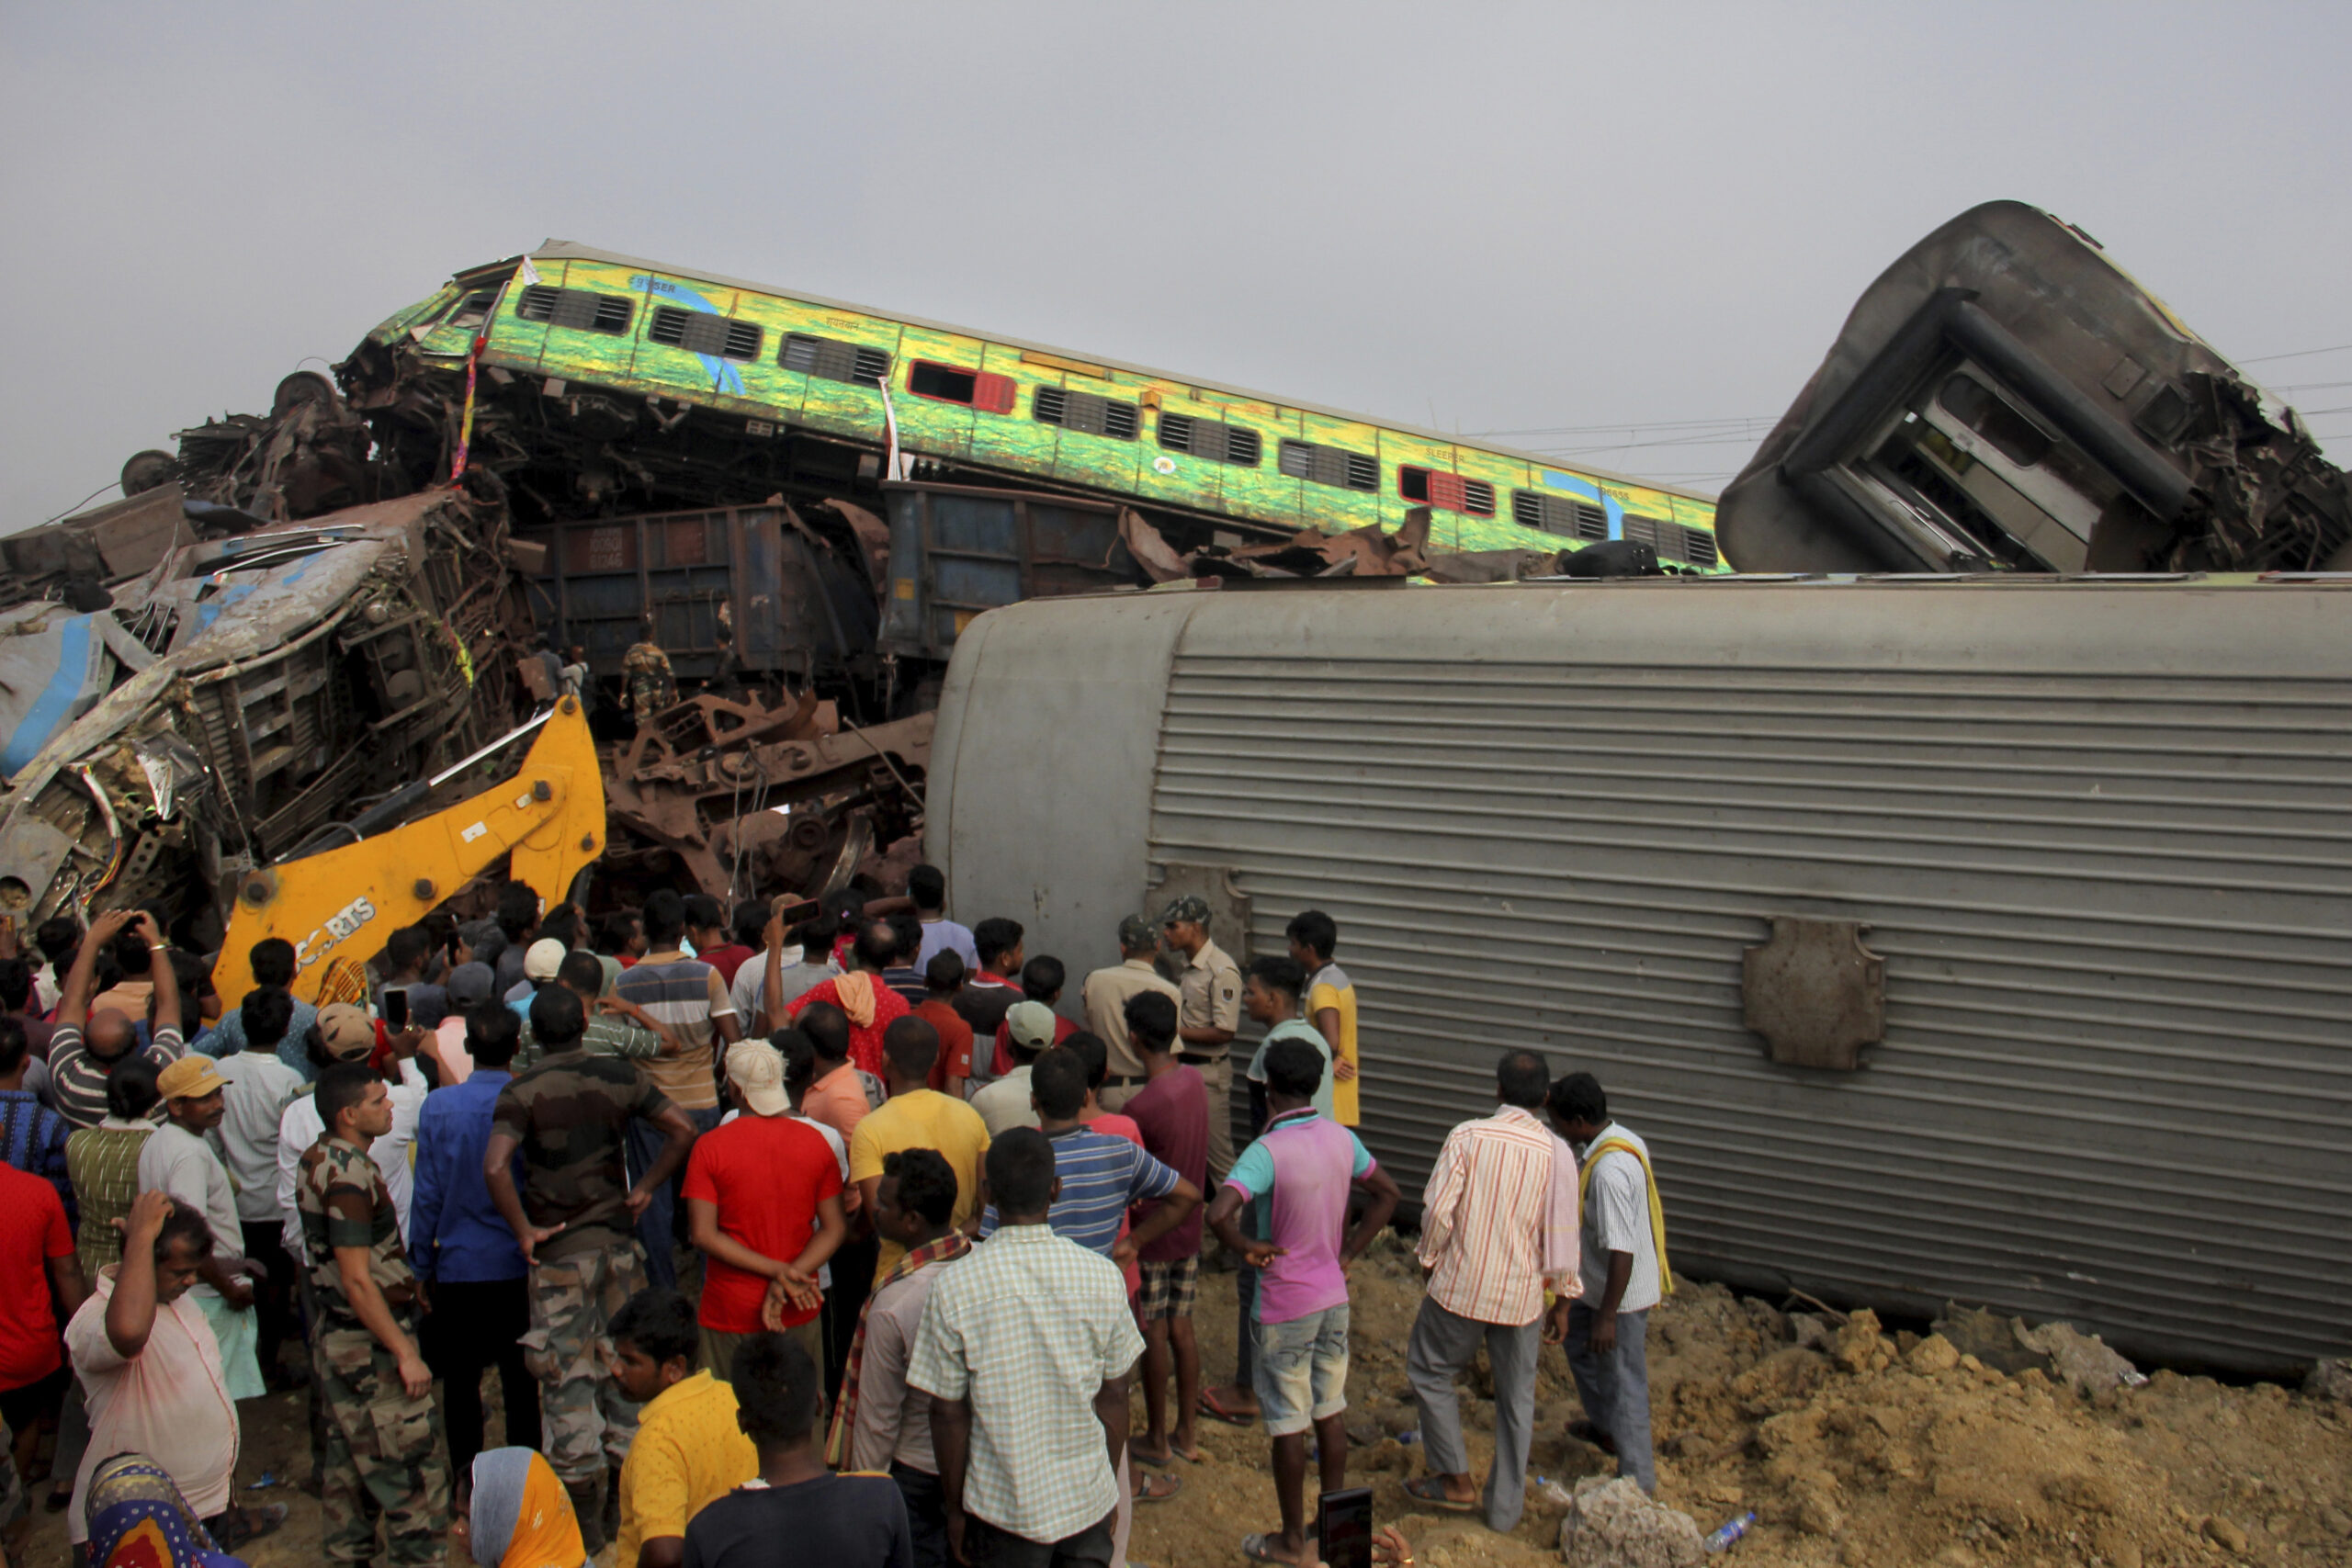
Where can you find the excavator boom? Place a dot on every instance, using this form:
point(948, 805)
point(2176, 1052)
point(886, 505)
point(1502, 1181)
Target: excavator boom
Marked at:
point(338, 905)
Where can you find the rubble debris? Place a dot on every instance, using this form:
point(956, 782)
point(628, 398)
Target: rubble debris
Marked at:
point(1369, 551)
point(2005, 398)
point(2082, 1362)
point(1999, 1342)
point(701, 789)
point(2331, 1378)
point(1614, 1524)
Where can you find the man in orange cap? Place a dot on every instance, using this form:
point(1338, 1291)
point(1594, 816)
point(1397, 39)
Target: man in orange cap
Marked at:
point(179, 1163)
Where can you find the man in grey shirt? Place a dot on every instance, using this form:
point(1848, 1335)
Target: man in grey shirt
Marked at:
point(794, 979)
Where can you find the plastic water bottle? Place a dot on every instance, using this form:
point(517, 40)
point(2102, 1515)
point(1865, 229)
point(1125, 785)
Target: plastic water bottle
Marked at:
point(1730, 1532)
point(1552, 1492)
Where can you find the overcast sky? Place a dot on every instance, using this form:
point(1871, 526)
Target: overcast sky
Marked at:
point(1539, 220)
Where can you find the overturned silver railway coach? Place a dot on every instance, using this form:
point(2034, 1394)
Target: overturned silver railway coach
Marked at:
point(1984, 938)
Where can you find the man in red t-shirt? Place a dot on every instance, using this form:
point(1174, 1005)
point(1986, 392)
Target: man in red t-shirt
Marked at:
point(763, 1202)
point(37, 1262)
point(989, 991)
point(728, 950)
point(942, 981)
point(870, 1006)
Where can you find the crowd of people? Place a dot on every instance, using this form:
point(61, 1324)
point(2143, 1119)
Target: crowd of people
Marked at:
point(841, 1244)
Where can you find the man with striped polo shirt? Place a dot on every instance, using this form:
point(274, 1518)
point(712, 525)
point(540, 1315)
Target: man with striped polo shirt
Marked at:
point(685, 996)
point(1498, 1223)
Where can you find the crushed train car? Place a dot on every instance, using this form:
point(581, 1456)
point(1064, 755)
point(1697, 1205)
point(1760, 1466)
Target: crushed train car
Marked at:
point(246, 690)
point(2005, 398)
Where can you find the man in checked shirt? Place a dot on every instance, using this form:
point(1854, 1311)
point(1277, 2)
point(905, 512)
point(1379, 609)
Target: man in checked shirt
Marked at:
point(1499, 1225)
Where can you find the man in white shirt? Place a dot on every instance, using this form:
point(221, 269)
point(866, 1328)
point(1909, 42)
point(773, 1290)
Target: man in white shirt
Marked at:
point(1004, 1103)
point(261, 1086)
point(1624, 1271)
point(179, 1163)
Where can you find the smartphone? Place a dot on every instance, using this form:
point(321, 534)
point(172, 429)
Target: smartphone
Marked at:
point(396, 1008)
point(1343, 1527)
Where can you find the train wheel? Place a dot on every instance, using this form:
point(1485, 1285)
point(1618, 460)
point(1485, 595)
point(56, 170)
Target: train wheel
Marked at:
point(148, 470)
point(302, 387)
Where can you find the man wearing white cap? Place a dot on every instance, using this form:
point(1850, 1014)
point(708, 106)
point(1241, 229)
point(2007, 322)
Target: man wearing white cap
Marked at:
point(179, 1163)
point(1004, 1103)
point(764, 1203)
point(542, 961)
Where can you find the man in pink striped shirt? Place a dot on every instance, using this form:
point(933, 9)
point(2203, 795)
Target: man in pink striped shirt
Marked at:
point(1499, 1225)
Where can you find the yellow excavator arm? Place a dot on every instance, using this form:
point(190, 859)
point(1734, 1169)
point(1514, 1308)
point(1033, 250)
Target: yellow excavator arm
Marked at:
point(338, 905)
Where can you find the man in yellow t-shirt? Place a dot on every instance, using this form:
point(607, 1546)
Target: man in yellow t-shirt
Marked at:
point(916, 1116)
point(689, 1451)
point(1330, 1005)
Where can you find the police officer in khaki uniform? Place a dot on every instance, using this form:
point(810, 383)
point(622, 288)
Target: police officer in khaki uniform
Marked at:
point(1207, 1015)
point(1106, 995)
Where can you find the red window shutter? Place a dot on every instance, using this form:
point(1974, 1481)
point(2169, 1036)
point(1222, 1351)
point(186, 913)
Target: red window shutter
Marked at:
point(1445, 491)
point(992, 393)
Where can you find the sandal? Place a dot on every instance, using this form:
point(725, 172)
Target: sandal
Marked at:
point(240, 1524)
point(1150, 1488)
point(1431, 1489)
point(1261, 1548)
point(1211, 1405)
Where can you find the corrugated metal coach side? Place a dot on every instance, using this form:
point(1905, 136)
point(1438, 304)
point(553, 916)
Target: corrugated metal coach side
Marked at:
point(2099, 832)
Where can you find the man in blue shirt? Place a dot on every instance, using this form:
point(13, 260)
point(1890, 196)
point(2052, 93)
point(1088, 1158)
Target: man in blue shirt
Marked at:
point(463, 1248)
point(1101, 1174)
point(272, 960)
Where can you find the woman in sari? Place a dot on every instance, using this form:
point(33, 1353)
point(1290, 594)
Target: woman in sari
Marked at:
point(137, 1519)
point(518, 1516)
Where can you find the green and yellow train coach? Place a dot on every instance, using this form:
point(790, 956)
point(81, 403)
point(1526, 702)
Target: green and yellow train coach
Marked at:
point(976, 403)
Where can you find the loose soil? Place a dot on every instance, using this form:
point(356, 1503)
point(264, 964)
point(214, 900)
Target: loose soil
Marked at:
point(1865, 1448)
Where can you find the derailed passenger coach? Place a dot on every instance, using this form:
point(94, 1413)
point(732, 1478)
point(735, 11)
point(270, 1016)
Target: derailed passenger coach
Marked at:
point(2005, 397)
point(603, 383)
point(1984, 938)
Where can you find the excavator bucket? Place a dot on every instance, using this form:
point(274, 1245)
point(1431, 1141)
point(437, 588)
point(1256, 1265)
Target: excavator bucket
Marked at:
point(338, 905)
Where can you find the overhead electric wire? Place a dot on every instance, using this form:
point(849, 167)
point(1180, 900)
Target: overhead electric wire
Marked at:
point(2298, 353)
point(80, 504)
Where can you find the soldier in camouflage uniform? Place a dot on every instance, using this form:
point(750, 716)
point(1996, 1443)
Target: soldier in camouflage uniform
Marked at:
point(646, 668)
point(575, 1217)
point(384, 1451)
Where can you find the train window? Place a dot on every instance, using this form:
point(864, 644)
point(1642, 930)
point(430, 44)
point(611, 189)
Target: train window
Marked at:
point(1085, 412)
point(578, 308)
point(700, 331)
point(1558, 514)
point(1334, 466)
point(1670, 540)
point(2011, 433)
point(1448, 492)
point(1210, 440)
point(832, 359)
point(977, 389)
point(473, 308)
